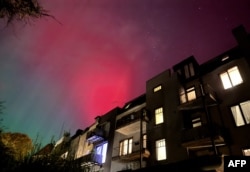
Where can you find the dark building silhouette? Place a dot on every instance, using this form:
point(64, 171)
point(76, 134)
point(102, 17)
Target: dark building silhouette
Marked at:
point(190, 117)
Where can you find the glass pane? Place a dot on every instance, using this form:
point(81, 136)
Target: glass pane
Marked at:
point(235, 76)
point(186, 71)
point(125, 147)
point(237, 116)
point(182, 96)
point(161, 150)
point(104, 152)
point(130, 146)
point(245, 106)
point(191, 94)
point(225, 80)
point(197, 124)
point(246, 152)
point(158, 116)
point(191, 68)
point(145, 141)
point(158, 88)
point(121, 148)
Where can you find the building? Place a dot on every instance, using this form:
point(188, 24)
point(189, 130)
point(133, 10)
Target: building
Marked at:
point(88, 148)
point(130, 138)
point(190, 117)
point(201, 110)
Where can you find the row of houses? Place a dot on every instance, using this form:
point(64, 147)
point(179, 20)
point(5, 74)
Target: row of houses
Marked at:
point(191, 116)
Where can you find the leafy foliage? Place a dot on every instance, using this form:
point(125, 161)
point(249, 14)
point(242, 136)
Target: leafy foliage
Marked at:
point(21, 10)
point(19, 144)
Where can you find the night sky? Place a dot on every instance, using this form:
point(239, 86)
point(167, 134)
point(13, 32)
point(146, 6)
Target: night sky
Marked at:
point(56, 77)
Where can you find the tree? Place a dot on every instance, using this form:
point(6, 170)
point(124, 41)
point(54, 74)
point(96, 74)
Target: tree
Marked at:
point(21, 10)
point(18, 144)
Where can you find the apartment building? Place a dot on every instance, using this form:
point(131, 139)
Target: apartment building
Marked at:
point(88, 148)
point(202, 110)
point(130, 138)
point(190, 116)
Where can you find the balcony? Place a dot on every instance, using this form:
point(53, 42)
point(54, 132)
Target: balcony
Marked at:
point(201, 137)
point(135, 155)
point(89, 159)
point(130, 124)
point(205, 95)
point(95, 135)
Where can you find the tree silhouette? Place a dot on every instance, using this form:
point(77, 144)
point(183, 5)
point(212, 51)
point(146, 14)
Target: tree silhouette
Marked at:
point(21, 10)
point(19, 144)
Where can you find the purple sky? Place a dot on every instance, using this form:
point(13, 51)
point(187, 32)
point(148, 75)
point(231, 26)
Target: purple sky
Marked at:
point(55, 76)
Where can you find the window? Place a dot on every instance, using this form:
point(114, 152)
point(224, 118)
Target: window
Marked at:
point(183, 98)
point(189, 70)
point(231, 77)
point(241, 113)
point(246, 152)
point(161, 150)
point(158, 88)
point(126, 147)
point(196, 122)
point(191, 94)
point(159, 115)
point(144, 144)
point(187, 95)
point(101, 151)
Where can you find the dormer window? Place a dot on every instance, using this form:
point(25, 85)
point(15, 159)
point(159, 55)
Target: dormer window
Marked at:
point(189, 70)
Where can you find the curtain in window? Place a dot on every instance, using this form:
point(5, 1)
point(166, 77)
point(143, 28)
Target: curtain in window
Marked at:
point(237, 115)
point(245, 106)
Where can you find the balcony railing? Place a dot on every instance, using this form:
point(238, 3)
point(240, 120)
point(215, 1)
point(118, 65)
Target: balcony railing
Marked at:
point(135, 155)
point(131, 123)
point(203, 92)
point(128, 119)
point(202, 136)
point(90, 159)
point(95, 135)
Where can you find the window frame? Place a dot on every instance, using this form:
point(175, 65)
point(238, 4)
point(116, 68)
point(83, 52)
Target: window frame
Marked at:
point(161, 149)
point(189, 70)
point(157, 88)
point(144, 141)
point(126, 149)
point(158, 115)
point(104, 150)
point(185, 94)
point(196, 122)
point(242, 113)
point(231, 77)
point(246, 151)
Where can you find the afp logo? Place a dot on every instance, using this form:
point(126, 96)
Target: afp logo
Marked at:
point(236, 164)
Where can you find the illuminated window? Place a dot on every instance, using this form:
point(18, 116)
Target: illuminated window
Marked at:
point(159, 115)
point(196, 122)
point(187, 95)
point(144, 141)
point(158, 88)
point(241, 113)
point(161, 153)
point(191, 94)
point(126, 147)
point(183, 98)
point(246, 152)
point(231, 77)
point(101, 151)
